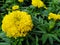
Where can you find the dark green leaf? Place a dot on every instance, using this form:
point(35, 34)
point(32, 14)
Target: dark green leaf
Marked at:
point(50, 40)
point(37, 40)
point(4, 43)
point(55, 37)
point(44, 38)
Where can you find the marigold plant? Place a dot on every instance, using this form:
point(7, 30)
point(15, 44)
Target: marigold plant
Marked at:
point(29, 22)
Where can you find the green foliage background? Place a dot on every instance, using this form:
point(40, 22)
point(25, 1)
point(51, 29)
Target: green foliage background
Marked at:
point(45, 32)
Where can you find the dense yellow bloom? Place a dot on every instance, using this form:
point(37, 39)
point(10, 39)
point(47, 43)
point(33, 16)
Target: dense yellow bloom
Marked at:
point(15, 7)
point(38, 3)
point(17, 24)
point(21, 0)
point(58, 16)
point(53, 16)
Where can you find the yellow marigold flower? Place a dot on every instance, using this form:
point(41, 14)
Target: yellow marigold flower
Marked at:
point(58, 16)
point(17, 24)
point(53, 16)
point(38, 3)
point(21, 0)
point(15, 7)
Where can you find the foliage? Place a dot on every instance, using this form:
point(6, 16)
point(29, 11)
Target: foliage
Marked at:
point(44, 32)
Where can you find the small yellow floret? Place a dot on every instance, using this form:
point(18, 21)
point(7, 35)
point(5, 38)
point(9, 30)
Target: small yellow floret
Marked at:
point(20, 0)
point(15, 7)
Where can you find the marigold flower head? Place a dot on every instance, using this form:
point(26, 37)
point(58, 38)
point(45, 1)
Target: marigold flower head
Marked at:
point(38, 3)
point(58, 16)
point(53, 16)
point(20, 0)
point(17, 24)
point(15, 7)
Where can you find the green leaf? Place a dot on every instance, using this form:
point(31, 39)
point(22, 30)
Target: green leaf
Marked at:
point(51, 25)
point(37, 40)
point(50, 40)
point(44, 38)
point(27, 42)
point(2, 35)
point(55, 37)
point(7, 40)
point(4, 43)
point(9, 1)
point(32, 38)
point(4, 38)
point(39, 32)
point(20, 41)
point(58, 23)
point(56, 1)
